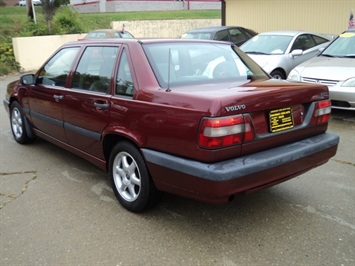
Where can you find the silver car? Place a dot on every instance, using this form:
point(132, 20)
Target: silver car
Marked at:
point(278, 52)
point(334, 67)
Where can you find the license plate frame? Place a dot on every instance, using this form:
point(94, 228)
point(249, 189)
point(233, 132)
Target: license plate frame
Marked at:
point(281, 119)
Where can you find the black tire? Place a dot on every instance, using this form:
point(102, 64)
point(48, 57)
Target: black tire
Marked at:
point(18, 124)
point(130, 178)
point(278, 74)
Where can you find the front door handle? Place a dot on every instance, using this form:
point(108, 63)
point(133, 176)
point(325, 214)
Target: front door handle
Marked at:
point(103, 105)
point(57, 97)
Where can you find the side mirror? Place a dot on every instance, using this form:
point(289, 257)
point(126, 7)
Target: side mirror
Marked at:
point(28, 79)
point(296, 52)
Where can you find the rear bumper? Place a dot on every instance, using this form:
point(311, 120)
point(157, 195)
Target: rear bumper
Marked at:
point(216, 182)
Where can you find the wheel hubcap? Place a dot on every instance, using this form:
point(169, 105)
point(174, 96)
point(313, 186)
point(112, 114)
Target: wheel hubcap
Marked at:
point(16, 123)
point(126, 176)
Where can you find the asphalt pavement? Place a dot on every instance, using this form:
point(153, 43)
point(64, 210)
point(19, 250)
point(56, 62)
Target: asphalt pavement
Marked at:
point(58, 209)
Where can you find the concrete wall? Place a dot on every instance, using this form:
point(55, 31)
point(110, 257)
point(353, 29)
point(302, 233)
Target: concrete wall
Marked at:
point(163, 28)
point(95, 6)
point(31, 52)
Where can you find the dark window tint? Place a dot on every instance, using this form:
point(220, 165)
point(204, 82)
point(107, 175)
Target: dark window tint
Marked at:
point(319, 40)
point(303, 42)
point(95, 68)
point(249, 33)
point(124, 82)
point(56, 70)
point(222, 36)
point(237, 36)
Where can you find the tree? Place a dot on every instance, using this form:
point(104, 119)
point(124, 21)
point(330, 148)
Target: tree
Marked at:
point(29, 9)
point(49, 8)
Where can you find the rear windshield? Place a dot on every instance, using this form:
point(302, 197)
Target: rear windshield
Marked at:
point(198, 35)
point(186, 63)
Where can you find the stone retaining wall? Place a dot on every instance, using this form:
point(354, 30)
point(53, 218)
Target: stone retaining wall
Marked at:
point(83, 6)
point(163, 28)
point(31, 52)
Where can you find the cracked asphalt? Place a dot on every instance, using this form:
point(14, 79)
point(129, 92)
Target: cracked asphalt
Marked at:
point(57, 209)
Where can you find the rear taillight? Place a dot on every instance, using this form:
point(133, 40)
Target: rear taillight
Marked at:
point(225, 131)
point(321, 112)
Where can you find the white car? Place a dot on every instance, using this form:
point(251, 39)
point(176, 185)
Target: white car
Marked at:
point(334, 67)
point(278, 52)
point(35, 2)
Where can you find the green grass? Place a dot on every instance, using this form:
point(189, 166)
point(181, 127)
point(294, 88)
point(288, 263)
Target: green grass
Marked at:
point(14, 23)
point(12, 19)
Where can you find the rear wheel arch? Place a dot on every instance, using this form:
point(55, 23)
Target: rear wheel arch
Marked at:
point(129, 175)
point(110, 140)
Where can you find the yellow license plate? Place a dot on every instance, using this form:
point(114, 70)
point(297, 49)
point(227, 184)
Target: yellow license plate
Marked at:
point(280, 119)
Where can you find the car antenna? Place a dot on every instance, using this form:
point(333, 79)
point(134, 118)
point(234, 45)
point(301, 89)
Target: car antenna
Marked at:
point(168, 88)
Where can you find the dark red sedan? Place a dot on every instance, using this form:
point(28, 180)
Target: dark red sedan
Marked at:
point(190, 117)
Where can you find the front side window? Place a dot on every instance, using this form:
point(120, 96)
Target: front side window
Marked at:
point(95, 69)
point(303, 42)
point(55, 72)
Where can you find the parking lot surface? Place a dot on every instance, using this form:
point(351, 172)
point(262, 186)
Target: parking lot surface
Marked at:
point(57, 209)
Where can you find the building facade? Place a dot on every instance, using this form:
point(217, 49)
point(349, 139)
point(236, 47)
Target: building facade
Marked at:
point(323, 16)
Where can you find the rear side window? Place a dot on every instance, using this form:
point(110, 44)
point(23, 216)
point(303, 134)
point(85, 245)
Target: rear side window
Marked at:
point(124, 81)
point(55, 72)
point(95, 69)
point(319, 40)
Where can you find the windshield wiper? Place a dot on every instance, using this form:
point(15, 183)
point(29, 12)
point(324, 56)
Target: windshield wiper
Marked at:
point(349, 56)
point(327, 55)
point(255, 52)
point(339, 56)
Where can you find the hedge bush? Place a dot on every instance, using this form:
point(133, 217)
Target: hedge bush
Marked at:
point(8, 63)
point(66, 21)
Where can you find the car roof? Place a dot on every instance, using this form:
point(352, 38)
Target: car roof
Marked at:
point(213, 28)
point(288, 32)
point(105, 30)
point(141, 41)
point(350, 30)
